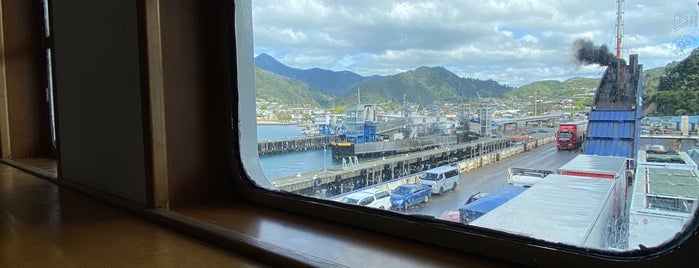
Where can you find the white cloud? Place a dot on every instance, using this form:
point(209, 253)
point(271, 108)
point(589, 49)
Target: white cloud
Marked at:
point(529, 38)
point(509, 34)
point(514, 42)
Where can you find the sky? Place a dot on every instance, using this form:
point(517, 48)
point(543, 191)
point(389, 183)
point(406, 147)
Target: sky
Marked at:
point(513, 42)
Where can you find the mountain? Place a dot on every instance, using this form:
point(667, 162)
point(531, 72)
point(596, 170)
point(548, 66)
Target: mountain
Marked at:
point(292, 92)
point(554, 89)
point(330, 82)
point(268, 63)
point(424, 86)
point(663, 94)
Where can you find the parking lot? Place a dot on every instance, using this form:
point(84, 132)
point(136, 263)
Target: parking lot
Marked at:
point(492, 177)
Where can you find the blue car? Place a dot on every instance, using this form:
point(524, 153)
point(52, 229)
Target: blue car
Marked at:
point(407, 195)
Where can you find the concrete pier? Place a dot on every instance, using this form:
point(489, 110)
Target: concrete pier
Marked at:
point(339, 180)
point(293, 145)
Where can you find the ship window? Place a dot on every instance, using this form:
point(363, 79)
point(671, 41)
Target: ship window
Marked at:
point(356, 95)
point(428, 176)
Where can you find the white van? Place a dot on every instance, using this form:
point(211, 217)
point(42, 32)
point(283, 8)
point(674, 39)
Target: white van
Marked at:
point(440, 178)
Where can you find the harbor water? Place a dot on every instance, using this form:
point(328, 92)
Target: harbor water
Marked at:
point(288, 164)
point(278, 132)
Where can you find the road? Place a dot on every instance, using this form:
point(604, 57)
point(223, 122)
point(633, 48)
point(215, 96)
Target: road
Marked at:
point(491, 177)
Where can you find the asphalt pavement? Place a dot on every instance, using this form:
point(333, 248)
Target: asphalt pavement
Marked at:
point(494, 176)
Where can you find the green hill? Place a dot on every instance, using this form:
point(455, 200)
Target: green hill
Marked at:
point(651, 79)
point(677, 89)
point(553, 89)
point(663, 95)
point(288, 91)
point(424, 86)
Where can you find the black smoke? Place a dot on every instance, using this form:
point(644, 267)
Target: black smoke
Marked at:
point(586, 52)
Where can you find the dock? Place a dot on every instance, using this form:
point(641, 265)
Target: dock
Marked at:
point(295, 144)
point(338, 180)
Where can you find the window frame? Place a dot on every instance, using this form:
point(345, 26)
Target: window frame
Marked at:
point(25, 115)
point(480, 241)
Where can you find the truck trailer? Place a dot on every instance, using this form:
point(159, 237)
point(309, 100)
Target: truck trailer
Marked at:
point(613, 168)
point(571, 135)
point(483, 205)
point(602, 167)
point(564, 209)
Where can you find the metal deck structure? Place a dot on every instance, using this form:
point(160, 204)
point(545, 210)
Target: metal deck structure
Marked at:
point(614, 123)
point(664, 199)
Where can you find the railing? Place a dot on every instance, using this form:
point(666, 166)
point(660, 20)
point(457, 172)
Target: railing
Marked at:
point(393, 124)
point(405, 145)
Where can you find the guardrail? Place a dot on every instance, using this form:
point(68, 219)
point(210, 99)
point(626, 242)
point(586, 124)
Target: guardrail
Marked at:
point(464, 166)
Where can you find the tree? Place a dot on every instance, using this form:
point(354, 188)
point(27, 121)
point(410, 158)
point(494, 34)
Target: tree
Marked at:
point(339, 110)
point(307, 118)
point(582, 103)
point(283, 117)
point(678, 90)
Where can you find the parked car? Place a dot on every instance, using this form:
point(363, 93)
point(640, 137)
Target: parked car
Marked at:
point(656, 148)
point(375, 198)
point(440, 178)
point(451, 215)
point(407, 195)
point(475, 197)
point(526, 177)
point(514, 142)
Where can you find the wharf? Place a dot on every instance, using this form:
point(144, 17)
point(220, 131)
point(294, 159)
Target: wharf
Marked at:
point(296, 144)
point(339, 180)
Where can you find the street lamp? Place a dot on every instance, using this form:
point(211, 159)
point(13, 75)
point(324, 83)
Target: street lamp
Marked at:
point(534, 103)
point(324, 150)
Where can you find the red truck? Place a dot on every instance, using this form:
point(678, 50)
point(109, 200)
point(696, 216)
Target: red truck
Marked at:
point(570, 135)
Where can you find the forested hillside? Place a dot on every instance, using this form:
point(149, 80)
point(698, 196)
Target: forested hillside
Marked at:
point(554, 89)
point(291, 92)
point(424, 86)
point(677, 90)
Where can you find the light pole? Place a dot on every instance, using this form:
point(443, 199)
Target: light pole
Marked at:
point(535, 97)
point(324, 150)
point(535, 104)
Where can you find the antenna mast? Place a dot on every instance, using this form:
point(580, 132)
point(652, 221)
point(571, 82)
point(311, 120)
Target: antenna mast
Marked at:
point(359, 106)
point(619, 25)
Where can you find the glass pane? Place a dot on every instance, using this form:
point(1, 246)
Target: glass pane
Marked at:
point(545, 109)
point(49, 72)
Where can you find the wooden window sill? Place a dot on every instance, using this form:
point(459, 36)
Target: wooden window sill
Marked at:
point(324, 242)
point(275, 236)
